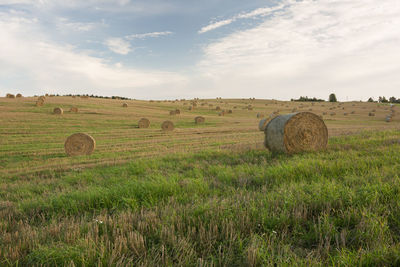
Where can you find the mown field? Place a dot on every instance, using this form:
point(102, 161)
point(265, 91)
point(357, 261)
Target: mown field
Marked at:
point(202, 195)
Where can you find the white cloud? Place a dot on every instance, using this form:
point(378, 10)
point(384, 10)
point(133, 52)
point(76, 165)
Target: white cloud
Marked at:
point(259, 12)
point(35, 64)
point(148, 35)
point(311, 48)
point(118, 45)
point(66, 24)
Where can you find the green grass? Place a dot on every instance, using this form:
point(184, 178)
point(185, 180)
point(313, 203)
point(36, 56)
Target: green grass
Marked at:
point(339, 207)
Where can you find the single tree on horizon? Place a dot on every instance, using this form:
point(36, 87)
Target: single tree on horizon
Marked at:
point(332, 98)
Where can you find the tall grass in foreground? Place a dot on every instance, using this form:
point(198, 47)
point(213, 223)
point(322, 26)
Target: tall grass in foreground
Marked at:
point(339, 207)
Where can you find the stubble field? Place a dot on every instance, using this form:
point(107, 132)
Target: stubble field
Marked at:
point(203, 195)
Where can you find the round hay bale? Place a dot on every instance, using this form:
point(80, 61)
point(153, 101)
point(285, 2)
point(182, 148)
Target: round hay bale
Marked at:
point(19, 96)
point(172, 112)
point(333, 113)
point(199, 119)
point(144, 123)
point(345, 114)
point(124, 105)
point(324, 113)
point(74, 109)
point(263, 123)
point(230, 111)
point(296, 132)
point(190, 108)
point(217, 108)
point(39, 103)
point(353, 112)
point(43, 98)
point(10, 96)
point(177, 111)
point(167, 126)
point(58, 111)
point(371, 114)
point(79, 144)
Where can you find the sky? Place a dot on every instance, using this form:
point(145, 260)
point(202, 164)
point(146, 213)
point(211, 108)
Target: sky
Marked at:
point(168, 49)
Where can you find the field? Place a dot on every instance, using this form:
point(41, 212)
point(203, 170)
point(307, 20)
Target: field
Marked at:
point(202, 195)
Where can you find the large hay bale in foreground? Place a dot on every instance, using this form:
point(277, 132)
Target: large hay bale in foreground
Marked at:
point(199, 119)
point(296, 132)
point(58, 111)
point(79, 144)
point(73, 109)
point(144, 123)
point(167, 126)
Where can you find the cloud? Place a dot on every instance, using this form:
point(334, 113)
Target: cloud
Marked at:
point(66, 24)
point(310, 48)
point(259, 12)
point(148, 35)
point(34, 64)
point(118, 45)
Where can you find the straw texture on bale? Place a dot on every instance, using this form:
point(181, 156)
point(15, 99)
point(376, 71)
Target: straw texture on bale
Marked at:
point(10, 96)
point(79, 144)
point(167, 126)
point(217, 108)
point(262, 124)
point(58, 111)
point(74, 109)
point(199, 119)
point(124, 105)
point(296, 132)
point(144, 123)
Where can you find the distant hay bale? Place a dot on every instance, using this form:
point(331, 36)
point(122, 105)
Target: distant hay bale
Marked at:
point(10, 96)
point(39, 103)
point(371, 114)
point(43, 98)
point(199, 120)
point(190, 108)
point(263, 123)
point(79, 144)
point(332, 113)
point(222, 113)
point(74, 109)
point(18, 95)
point(144, 123)
point(46, 94)
point(230, 111)
point(86, 97)
point(167, 126)
point(324, 113)
point(58, 111)
point(296, 132)
point(345, 114)
point(217, 108)
point(125, 105)
point(172, 112)
point(353, 112)
point(73, 96)
point(388, 118)
point(177, 111)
